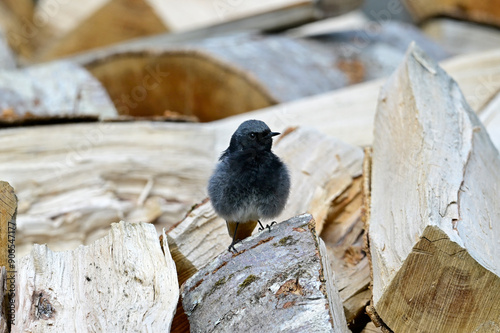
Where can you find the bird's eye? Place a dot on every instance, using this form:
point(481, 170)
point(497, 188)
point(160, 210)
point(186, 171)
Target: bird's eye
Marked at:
point(252, 135)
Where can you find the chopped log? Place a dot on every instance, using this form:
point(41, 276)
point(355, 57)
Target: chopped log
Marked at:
point(60, 89)
point(459, 37)
point(125, 281)
point(433, 231)
point(79, 165)
point(8, 211)
point(189, 82)
point(278, 281)
point(478, 11)
point(112, 22)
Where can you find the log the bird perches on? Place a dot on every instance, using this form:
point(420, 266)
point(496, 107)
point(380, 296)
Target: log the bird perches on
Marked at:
point(279, 281)
point(434, 229)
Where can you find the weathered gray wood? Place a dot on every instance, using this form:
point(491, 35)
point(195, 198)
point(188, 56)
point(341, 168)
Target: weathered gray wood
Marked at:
point(278, 281)
point(123, 282)
point(434, 206)
point(56, 89)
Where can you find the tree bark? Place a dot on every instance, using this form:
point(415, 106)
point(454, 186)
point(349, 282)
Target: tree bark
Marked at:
point(278, 281)
point(125, 281)
point(433, 228)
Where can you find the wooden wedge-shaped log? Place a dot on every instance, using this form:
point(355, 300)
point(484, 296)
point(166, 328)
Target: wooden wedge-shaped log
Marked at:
point(435, 219)
point(123, 282)
point(279, 281)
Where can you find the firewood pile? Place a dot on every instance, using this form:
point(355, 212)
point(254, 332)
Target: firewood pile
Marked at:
point(113, 114)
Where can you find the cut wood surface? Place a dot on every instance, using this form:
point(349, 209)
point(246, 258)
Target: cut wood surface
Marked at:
point(83, 182)
point(8, 211)
point(278, 281)
point(434, 192)
point(125, 281)
point(484, 11)
point(192, 83)
point(52, 90)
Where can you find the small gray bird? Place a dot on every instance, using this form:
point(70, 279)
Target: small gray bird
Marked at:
point(250, 182)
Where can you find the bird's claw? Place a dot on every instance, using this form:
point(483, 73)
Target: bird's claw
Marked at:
point(231, 247)
point(268, 226)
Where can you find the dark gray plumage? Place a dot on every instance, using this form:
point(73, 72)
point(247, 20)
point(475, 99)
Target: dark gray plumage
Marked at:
point(250, 182)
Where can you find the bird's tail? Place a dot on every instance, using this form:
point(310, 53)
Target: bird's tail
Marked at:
point(243, 231)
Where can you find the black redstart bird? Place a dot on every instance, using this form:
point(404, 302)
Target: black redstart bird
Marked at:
point(250, 182)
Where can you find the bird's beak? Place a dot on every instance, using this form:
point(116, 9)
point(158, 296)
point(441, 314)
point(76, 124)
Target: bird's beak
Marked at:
point(274, 134)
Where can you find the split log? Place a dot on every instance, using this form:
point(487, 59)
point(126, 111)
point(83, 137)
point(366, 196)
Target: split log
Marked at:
point(79, 165)
point(433, 228)
point(278, 281)
point(125, 281)
point(60, 89)
point(478, 11)
point(459, 37)
point(188, 82)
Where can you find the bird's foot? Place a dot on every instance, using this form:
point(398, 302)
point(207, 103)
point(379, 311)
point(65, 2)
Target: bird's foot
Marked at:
point(268, 226)
point(231, 247)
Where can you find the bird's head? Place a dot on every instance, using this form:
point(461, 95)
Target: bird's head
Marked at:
point(254, 135)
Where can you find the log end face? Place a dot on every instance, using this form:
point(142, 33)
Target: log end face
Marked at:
point(440, 287)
